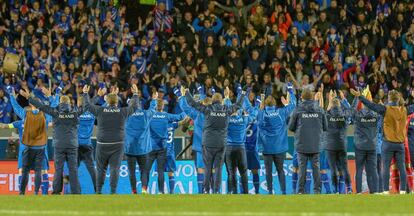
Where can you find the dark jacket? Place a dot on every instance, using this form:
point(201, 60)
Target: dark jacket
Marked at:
point(336, 131)
point(65, 124)
point(216, 121)
point(308, 121)
point(111, 120)
point(366, 128)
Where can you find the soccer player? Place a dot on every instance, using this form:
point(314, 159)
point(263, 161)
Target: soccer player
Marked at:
point(137, 142)
point(323, 161)
point(159, 135)
point(272, 123)
point(235, 156)
point(365, 141)
point(34, 137)
point(85, 149)
point(394, 128)
point(338, 112)
point(214, 134)
point(252, 155)
point(170, 165)
point(65, 137)
point(308, 121)
point(110, 137)
point(198, 121)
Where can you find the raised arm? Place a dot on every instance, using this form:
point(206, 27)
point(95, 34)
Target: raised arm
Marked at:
point(190, 100)
point(191, 112)
point(225, 8)
point(99, 48)
point(378, 108)
point(252, 116)
point(176, 117)
point(120, 48)
point(153, 105)
point(46, 109)
point(133, 103)
point(16, 107)
point(250, 6)
point(238, 105)
point(88, 106)
point(288, 109)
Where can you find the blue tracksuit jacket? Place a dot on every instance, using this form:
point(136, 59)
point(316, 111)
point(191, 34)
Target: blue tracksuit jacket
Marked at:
point(137, 133)
point(159, 128)
point(85, 129)
point(273, 137)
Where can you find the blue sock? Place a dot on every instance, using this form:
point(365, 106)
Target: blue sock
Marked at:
point(256, 183)
point(294, 182)
point(171, 183)
point(341, 184)
point(45, 184)
point(200, 182)
point(325, 183)
point(308, 182)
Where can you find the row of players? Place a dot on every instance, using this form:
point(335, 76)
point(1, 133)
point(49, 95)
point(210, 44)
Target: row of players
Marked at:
point(223, 131)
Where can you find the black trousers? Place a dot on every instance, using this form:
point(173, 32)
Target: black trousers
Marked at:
point(303, 159)
point(366, 159)
point(390, 151)
point(338, 162)
point(32, 158)
point(70, 156)
point(85, 155)
point(161, 157)
point(132, 163)
point(236, 160)
point(108, 155)
point(213, 158)
point(278, 160)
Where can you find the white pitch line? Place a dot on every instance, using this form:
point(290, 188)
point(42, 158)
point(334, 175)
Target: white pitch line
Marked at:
point(187, 213)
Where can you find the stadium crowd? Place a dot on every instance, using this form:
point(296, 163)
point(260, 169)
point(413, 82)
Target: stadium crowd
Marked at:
point(263, 44)
point(275, 48)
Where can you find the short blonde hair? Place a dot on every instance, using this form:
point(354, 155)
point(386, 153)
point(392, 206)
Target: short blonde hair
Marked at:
point(270, 101)
point(394, 96)
point(64, 99)
point(307, 94)
point(207, 101)
point(111, 99)
point(160, 104)
point(336, 102)
point(217, 98)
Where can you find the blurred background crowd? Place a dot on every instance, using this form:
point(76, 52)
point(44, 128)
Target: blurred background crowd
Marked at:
point(161, 44)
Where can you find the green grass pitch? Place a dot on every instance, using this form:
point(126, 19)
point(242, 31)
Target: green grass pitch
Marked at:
point(208, 205)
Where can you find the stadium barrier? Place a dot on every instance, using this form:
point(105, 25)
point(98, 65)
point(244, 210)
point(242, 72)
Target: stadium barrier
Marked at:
point(185, 177)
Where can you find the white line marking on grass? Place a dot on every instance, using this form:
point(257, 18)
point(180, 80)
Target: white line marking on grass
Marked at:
point(186, 213)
